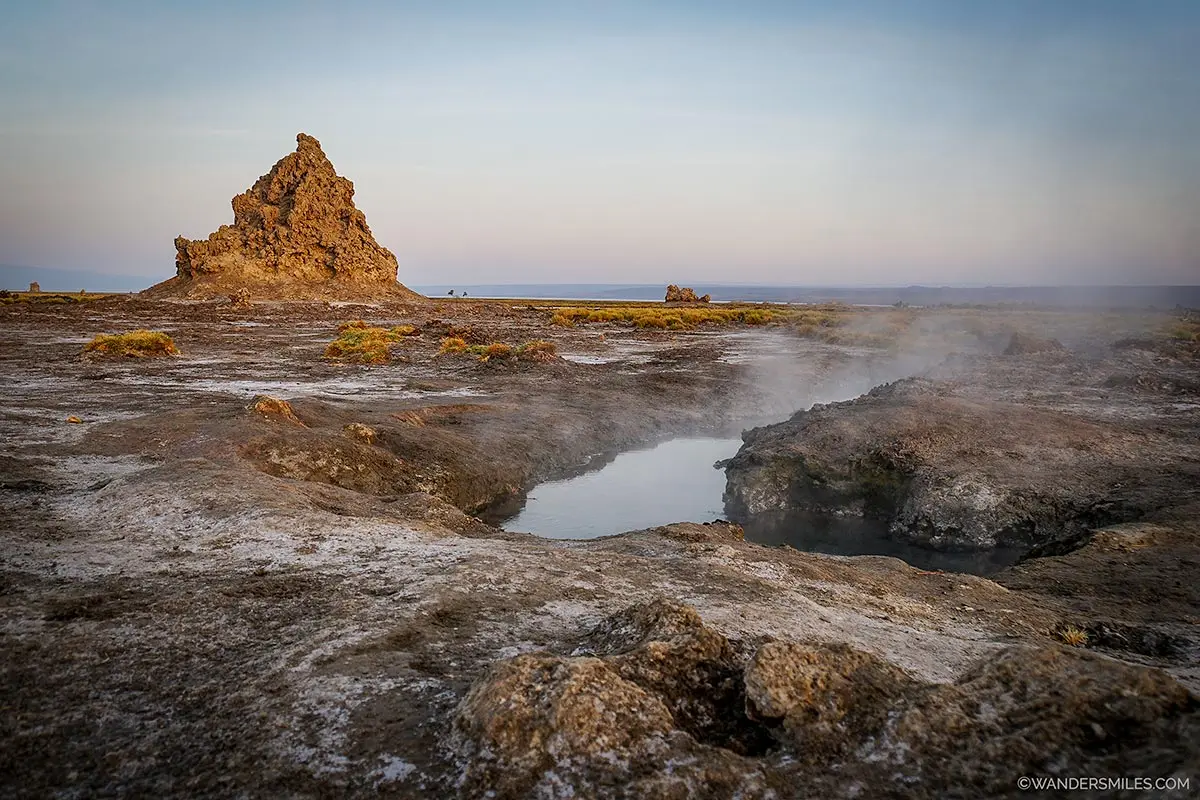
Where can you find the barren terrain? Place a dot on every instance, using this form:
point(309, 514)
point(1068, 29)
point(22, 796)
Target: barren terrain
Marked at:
point(207, 595)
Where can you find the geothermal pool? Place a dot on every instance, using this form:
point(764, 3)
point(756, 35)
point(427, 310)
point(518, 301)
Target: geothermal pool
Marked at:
point(676, 482)
point(672, 482)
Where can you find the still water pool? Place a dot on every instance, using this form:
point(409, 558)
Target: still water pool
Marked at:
point(673, 482)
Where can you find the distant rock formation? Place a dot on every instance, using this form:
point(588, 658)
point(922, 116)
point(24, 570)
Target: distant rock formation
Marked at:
point(684, 295)
point(295, 235)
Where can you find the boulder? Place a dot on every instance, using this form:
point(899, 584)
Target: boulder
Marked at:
point(296, 234)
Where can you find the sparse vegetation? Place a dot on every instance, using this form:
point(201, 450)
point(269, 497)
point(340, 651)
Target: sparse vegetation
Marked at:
point(495, 350)
point(834, 323)
point(667, 318)
point(842, 324)
point(368, 344)
point(48, 298)
point(538, 351)
point(1185, 328)
point(1072, 636)
point(136, 344)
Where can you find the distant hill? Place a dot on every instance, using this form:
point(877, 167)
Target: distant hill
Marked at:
point(15, 277)
point(1139, 297)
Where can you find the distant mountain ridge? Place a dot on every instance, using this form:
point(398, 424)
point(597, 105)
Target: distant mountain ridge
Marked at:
point(1139, 297)
point(15, 277)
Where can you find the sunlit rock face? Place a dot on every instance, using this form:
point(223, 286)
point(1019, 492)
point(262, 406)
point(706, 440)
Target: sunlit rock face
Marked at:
point(296, 234)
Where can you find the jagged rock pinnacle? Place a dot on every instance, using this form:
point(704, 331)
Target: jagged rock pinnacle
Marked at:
point(295, 234)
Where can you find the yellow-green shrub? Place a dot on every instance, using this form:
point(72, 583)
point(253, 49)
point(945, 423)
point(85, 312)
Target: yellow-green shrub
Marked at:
point(496, 350)
point(137, 344)
point(358, 341)
point(538, 350)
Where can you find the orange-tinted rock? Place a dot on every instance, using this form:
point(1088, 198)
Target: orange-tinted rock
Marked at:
point(274, 408)
point(685, 294)
point(296, 234)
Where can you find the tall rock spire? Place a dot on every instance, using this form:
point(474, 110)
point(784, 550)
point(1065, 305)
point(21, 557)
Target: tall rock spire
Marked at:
point(295, 234)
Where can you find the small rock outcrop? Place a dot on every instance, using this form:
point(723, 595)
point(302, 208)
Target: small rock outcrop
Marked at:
point(275, 409)
point(241, 298)
point(676, 294)
point(296, 234)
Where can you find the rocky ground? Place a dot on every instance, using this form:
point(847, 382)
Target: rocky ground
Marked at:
point(207, 596)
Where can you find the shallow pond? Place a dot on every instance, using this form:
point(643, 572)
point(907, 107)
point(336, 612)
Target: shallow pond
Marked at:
point(673, 482)
point(676, 481)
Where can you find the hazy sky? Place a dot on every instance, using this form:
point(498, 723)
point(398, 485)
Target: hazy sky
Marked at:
point(889, 142)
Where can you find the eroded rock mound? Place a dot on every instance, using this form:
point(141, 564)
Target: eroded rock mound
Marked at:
point(685, 294)
point(955, 473)
point(296, 234)
point(616, 719)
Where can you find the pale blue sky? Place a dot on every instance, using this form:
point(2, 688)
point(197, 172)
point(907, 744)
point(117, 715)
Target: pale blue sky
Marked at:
point(805, 143)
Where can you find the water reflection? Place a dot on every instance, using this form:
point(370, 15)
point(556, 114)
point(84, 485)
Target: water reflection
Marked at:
point(673, 482)
point(676, 482)
point(855, 536)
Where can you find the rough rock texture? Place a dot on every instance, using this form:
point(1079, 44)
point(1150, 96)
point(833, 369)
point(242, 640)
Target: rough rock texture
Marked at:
point(1045, 711)
point(198, 600)
point(295, 235)
point(625, 725)
point(964, 463)
point(825, 718)
point(241, 298)
point(676, 294)
point(275, 409)
point(824, 696)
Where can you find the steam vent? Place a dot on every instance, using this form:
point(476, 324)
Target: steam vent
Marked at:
point(295, 235)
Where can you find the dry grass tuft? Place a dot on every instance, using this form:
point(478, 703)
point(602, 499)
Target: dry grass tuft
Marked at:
point(358, 341)
point(1070, 635)
point(48, 298)
point(1185, 328)
point(137, 344)
point(496, 350)
point(453, 345)
point(538, 351)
